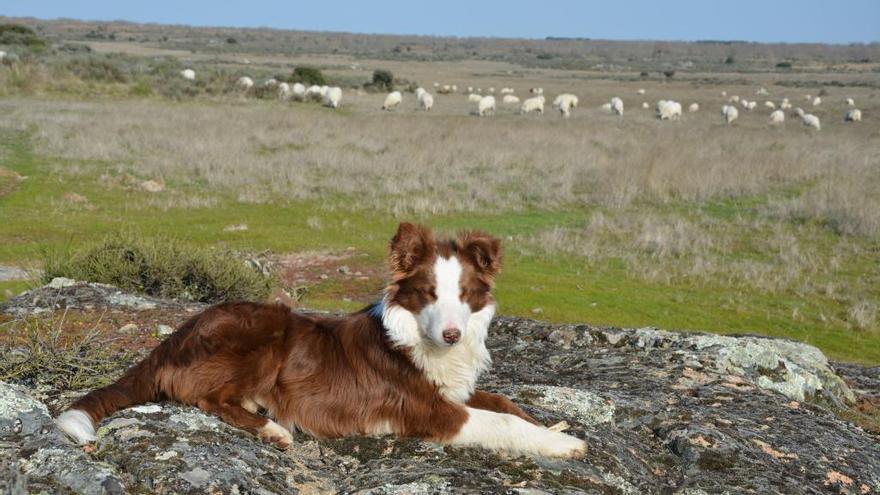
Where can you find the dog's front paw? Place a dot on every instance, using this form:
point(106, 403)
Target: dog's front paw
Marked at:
point(276, 434)
point(563, 446)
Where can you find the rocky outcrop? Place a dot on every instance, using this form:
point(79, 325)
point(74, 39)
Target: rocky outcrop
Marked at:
point(662, 412)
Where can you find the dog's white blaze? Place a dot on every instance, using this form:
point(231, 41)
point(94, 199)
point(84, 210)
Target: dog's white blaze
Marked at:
point(509, 433)
point(448, 311)
point(77, 424)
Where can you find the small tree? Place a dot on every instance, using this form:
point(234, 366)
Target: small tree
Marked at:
point(308, 76)
point(730, 60)
point(383, 80)
point(669, 73)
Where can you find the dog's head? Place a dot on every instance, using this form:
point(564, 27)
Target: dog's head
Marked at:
point(440, 290)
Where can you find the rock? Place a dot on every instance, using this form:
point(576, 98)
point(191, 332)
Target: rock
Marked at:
point(662, 412)
point(344, 269)
point(12, 273)
point(153, 186)
point(240, 227)
point(128, 328)
point(60, 283)
point(164, 330)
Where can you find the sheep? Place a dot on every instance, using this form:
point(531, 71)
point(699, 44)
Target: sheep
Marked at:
point(474, 98)
point(785, 105)
point(510, 99)
point(565, 103)
point(724, 94)
point(454, 88)
point(486, 106)
point(188, 74)
point(419, 92)
point(245, 82)
point(808, 97)
point(668, 110)
point(426, 101)
point(506, 91)
point(812, 121)
point(436, 85)
point(733, 99)
point(536, 91)
point(752, 105)
point(299, 91)
point(817, 101)
point(854, 115)
point(850, 102)
point(761, 92)
point(605, 107)
point(332, 97)
point(730, 113)
point(745, 103)
point(270, 82)
point(492, 90)
point(777, 117)
point(645, 105)
point(470, 89)
point(617, 106)
point(393, 100)
point(314, 92)
point(533, 104)
point(770, 105)
point(445, 89)
point(640, 91)
point(2, 55)
point(284, 91)
point(694, 107)
point(799, 112)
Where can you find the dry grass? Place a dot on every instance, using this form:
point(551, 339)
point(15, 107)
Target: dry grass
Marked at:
point(447, 161)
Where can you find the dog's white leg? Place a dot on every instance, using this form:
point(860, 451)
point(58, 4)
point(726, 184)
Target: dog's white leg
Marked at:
point(509, 433)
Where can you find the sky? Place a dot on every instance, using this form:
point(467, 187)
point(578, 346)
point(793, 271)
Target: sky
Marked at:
point(824, 21)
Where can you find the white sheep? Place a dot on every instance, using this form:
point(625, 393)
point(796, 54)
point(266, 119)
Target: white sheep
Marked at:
point(270, 82)
point(492, 90)
point(284, 91)
point(2, 55)
point(506, 91)
point(332, 97)
point(733, 99)
point(533, 104)
point(694, 107)
point(536, 91)
point(299, 91)
point(617, 106)
point(799, 112)
point(565, 103)
point(808, 97)
point(486, 106)
point(785, 105)
point(850, 102)
point(668, 110)
point(419, 92)
point(817, 101)
point(392, 100)
point(730, 113)
point(761, 91)
point(854, 115)
point(745, 103)
point(812, 121)
point(510, 99)
point(645, 105)
point(777, 117)
point(445, 89)
point(605, 107)
point(454, 88)
point(752, 105)
point(426, 101)
point(640, 91)
point(188, 74)
point(724, 94)
point(436, 85)
point(314, 92)
point(245, 83)
point(770, 105)
point(470, 89)
point(474, 98)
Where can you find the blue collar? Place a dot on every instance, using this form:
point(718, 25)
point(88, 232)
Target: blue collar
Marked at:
point(377, 310)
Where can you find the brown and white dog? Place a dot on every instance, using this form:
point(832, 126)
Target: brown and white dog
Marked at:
point(405, 366)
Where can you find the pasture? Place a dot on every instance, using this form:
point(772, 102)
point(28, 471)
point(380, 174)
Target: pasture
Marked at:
point(621, 221)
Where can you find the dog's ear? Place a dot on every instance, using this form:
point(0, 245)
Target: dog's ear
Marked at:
point(411, 245)
point(483, 250)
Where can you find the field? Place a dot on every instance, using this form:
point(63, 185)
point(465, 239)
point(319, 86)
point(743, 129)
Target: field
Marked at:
point(610, 221)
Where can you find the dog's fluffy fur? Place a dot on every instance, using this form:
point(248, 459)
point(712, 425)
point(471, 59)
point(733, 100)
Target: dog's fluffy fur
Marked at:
point(405, 366)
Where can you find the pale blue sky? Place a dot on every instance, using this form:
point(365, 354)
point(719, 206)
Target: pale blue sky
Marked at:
point(828, 21)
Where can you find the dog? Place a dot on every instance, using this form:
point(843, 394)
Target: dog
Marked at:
point(405, 366)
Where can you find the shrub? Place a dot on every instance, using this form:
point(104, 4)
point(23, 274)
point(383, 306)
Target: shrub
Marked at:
point(93, 69)
point(669, 74)
point(783, 65)
point(383, 80)
point(730, 60)
point(231, 41)
point(15, 34)
point(160, 266)
point(308, 76)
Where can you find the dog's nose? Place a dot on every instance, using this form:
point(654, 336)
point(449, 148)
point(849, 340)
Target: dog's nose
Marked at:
point(451, 335)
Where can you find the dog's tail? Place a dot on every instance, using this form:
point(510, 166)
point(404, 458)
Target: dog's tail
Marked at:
point(140, 384)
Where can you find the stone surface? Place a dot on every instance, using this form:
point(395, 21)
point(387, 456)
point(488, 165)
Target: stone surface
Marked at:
point(662, 412)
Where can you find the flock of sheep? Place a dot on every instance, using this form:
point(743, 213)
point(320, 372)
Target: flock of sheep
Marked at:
point(565, 103)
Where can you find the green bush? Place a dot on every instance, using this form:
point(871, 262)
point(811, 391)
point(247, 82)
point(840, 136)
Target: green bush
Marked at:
point(383, 80)
point(15, 34)
point(308, 76)
point(160, 266)
point(95, 69)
